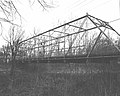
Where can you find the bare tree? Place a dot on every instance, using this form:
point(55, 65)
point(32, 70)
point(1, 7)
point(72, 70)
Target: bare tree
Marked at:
point(9, 8)
point(43, 3)
point(15, 36)
point(11, 14)
point(6, 49)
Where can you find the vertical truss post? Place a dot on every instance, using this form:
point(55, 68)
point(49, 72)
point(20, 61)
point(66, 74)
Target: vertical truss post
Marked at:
point(34, 46)
point(58, 49)
point(49, 44)
point(64, 43)
point(49, 52)
point(38, 46)
point(86, 35)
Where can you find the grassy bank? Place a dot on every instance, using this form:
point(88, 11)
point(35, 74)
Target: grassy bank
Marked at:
point(41, 80)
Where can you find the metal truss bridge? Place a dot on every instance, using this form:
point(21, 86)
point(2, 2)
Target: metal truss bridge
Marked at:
point(84, 39)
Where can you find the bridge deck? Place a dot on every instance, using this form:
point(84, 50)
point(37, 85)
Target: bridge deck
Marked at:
point(75, 59)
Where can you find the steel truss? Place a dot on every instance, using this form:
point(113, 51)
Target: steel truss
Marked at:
point(80, 37)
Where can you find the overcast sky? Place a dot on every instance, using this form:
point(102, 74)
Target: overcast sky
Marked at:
point(65, 10)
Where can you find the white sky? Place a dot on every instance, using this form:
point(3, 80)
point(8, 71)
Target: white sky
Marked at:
point(65, 10)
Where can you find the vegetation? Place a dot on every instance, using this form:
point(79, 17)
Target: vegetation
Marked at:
point(28, 79)
point(34, 81)
point(61, 80)
point(15, 49)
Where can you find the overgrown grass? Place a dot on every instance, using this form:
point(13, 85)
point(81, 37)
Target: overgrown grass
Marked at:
point(37, 81)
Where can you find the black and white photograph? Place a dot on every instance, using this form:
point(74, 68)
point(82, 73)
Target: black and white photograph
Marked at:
point(59, 47)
